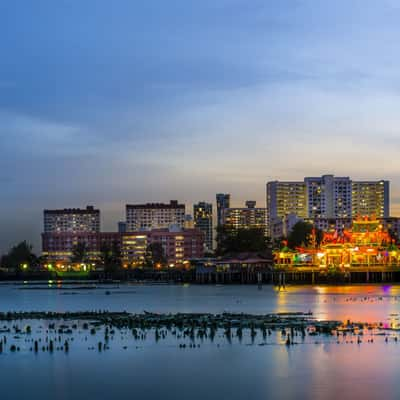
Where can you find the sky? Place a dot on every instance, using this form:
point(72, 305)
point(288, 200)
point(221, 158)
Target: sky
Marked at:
point(113, 102)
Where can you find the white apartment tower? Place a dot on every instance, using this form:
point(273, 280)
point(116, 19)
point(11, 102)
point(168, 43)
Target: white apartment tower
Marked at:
point(283, 199)
point(371, 198)
point(72, 220)
point(145, 217)
point(326, 197)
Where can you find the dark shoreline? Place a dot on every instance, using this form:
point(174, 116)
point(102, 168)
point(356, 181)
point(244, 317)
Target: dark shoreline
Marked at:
point(262, 277)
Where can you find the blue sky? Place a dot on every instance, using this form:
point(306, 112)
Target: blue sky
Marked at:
point(129, 101)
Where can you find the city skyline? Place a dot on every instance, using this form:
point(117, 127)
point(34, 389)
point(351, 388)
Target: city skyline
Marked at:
point(109, 220)
point(114, 225)
point(157, 101)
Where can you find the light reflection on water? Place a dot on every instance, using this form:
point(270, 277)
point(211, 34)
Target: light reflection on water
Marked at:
point(355, 303)
point(364, 303)
point(319, 369)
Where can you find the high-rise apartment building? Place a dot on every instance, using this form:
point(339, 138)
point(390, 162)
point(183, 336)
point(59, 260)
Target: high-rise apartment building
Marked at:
point(144, 217)
point(72, 220)
point(283, 199)
point(223, 202)
point(245, 218)
point(326, 197)
point(203, 220)
point(370, 198)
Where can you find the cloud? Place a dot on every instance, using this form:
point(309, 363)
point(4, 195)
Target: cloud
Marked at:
point(157, 100)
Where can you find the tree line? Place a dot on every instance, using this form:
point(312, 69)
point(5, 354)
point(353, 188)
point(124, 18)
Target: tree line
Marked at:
point(21, 257)
point(231, 241)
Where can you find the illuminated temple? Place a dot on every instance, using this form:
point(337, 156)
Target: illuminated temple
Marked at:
point(367, 243)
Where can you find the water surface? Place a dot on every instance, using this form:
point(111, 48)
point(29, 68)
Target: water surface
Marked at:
point(317, 369)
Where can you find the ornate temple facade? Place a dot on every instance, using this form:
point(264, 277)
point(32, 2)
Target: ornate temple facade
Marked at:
point(367, 243)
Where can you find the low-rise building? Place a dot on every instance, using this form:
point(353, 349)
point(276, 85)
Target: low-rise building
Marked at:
point(179, 245)
point(134, 248)
point(189, 222)
point(281, 227)
point(59, 247)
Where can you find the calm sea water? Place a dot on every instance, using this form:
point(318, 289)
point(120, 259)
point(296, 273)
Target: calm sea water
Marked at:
point(317, 369)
